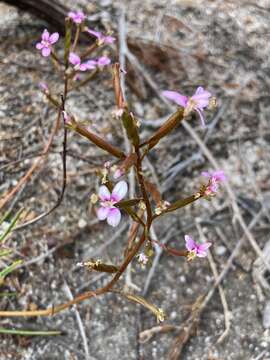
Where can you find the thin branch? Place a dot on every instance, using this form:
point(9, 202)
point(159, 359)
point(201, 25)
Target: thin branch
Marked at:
point(227, 313)
point(79, 321)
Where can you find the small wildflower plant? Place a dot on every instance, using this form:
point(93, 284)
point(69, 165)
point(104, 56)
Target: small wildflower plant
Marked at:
point(111, 201)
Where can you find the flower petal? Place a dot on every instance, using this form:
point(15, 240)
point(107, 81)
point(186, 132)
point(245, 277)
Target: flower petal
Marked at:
point(204, 246)
point(54, 38)
point(202, 249)
point(46, 51)
point(206, 173)
point(103, 61)
point(201, 97)
point(201, 93)
point(91, 64)
point(102, 213)
point(104, 193)
point(97, 34)
point(83, 67)
point(119, 191)
point(114, 217)
point(176, 97)
point(109, 39)
point(39, 46)
point(219, 175)
point(190, 243)
point(74, 59)
point(45, 35)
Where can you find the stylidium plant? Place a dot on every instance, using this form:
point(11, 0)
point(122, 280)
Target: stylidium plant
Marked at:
point(47, 40)
point(108, 200)
point(101, 38)
point(196, 249)
point(77, 16)
point(111, 203)
point(197, 102)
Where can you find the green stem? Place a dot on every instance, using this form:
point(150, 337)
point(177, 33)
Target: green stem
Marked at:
point(29, 332)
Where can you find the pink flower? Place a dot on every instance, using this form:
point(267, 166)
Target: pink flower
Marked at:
point(46, 43)
point(108, 200)
point(76, 16)
point(44, 87)
point(118, 173)
point(66, 117)
point(214, 180)
point(102, 39)
point(143, 259)
point(196, 249)
point(103, 61)
point(197, 102)
point(75, 60)
point(91, 64)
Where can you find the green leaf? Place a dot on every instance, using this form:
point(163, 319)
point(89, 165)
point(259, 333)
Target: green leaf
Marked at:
point(68, 26)
point(131, 128)
point(11, 226)
point(9, 269)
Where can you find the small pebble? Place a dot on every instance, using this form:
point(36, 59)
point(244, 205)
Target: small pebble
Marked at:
point(220, 250)
point(82, 223)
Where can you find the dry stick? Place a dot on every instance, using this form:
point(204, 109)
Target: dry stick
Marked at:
point(147, 334)
point(208, 154)
point(158, 253)
point(79, 321)
point(189, 325)
point(227, 313)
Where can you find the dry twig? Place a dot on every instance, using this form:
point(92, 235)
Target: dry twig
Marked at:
point(79, 321)
point(227, 313)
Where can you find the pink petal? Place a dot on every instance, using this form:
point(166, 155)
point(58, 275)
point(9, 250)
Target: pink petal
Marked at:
point(204, 246)
point(91, 64)
point(39, 46)
point(176, 97)
point(190, 243)
point(109, 39)
point(206, 174)
point(54, 38)
point(74, 59)
point(219, 175)
point(97, 34)
point(201, 254)
point(45, 35)
point(103, 61)
point(119, 191)
point(102, 213)
point(104, 193)
point(71, 14)
point(83, 67)
point(114, 217)
point(201, 93)
point(81, 15)
point(202, 249)
point(46, 51)
point(44, 87)
point(201, 97)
